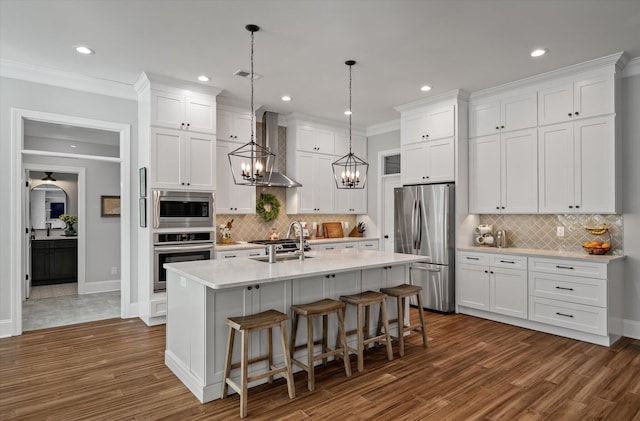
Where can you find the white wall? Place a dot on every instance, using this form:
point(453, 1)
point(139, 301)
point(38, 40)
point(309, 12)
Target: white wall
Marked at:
point(631, 197)
point(51, 99)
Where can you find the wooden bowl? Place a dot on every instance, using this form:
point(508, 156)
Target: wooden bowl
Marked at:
point(596, 250)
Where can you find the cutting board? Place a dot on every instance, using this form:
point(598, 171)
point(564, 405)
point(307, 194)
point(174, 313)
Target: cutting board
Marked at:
point(332, 230)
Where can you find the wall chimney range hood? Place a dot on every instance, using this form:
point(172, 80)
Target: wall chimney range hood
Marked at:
point(270, 141)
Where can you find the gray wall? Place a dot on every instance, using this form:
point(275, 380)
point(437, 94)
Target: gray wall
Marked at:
point(38, 97)
point(631, 194)
point(375, 144)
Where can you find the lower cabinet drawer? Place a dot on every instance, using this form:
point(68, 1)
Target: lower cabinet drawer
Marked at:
point(569, 315)
point(568, 267)
point(574, 289)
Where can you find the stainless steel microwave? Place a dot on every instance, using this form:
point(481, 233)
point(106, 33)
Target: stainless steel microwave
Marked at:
point(178, 209)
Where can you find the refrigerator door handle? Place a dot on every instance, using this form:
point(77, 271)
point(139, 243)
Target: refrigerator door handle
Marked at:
point(413, 224)
point(419, 225)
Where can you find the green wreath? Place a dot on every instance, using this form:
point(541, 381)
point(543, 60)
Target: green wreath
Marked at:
point(268, 207)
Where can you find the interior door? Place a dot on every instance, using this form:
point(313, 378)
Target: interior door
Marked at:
point(389, 183)
point(26, 249)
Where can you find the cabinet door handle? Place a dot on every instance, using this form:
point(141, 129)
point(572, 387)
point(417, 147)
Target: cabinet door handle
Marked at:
point(257, 286)
point(386, 236)
point(564, 288)
point(188, 124)
point(427, 135)
point(564, 267)
point(570, 114)
point(576, 113)
point(577, 206)
point(502, 127)
point(498, 207)
point(473, 258)
point(491, 271)
point(486, 271)
point(230, 256)
point(570, 207)
point(181, 124)
point(497, 127)
point(508, 261)
point(564, 315)
point(249, 288)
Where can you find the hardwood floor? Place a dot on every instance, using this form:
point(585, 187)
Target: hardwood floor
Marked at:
point(473, 369)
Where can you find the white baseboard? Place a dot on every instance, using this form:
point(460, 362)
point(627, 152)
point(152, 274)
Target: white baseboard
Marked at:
point(631, 329)
point(6, 328)
point(101, 286)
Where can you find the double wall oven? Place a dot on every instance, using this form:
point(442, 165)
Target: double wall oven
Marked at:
point(181, 212)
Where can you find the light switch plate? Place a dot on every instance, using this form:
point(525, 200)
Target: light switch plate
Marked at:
point(560, 231)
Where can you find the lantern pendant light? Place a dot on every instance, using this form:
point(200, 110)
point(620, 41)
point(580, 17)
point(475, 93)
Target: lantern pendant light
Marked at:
point(251, 164)
point(350, 172)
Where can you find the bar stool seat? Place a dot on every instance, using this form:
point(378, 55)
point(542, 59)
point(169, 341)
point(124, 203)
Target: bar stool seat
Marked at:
point(365, 300)
point(316, 309)
point(401, 292)
point(245, 325)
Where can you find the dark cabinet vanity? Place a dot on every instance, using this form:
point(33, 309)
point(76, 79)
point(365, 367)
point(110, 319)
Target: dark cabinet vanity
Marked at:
point(54, 261)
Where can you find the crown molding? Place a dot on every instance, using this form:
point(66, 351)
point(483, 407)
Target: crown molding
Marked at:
point(184, 87)
point(305, 118)
point(617, 60)
point(63, 79)
point(632, 68)
point(389, 126)
point(453, 95)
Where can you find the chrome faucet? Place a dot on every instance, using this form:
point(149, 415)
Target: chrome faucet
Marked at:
point(48, 228)
point(300, 251)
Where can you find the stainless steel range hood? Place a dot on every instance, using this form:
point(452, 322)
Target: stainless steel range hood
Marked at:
point(270, 141)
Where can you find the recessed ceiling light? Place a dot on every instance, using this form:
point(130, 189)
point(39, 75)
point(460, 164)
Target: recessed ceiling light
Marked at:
point(81, 49)
point(286, 98)
point(425, 88)
point(348, 112)
point(539, 52)
point(203, 78)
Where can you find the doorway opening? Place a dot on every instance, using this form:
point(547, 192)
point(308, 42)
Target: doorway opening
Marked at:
point(33, 153)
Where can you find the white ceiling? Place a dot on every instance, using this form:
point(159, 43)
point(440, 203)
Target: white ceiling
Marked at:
point(301, 48)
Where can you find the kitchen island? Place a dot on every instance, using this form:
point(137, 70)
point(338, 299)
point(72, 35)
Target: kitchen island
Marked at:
point(202, 294)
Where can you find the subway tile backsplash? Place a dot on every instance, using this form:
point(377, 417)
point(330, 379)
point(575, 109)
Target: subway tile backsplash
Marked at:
point(539, 231)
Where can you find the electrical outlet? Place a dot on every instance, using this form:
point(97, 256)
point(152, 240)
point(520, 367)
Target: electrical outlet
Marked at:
point(560, 231)
point(114, 270)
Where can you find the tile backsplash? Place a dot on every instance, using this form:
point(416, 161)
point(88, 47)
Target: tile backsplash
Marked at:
point(539, 231)
point(253, 227)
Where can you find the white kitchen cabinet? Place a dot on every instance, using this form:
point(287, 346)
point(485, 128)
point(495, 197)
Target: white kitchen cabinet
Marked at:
point(352, 201)
point(317, 192)
point(369, 245)
point(315, 139)
point(182, 160)
point(358, 145)
point(513, 111)
point(503, 173)
point(581, 97)
point(430, 123)
point(428, 162)
point(232, 254)
point(230, 197)
point(577, 171)
point(183, 112)
point(245, 301)
point(234, 126)
point(494, 283)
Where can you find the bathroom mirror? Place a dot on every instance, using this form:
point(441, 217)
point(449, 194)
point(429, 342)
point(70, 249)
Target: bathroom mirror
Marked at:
point(47, 203)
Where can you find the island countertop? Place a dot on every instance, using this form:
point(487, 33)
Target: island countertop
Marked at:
point(232, 273)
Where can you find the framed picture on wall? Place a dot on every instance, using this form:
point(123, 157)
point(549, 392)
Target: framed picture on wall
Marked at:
point(143, 212)
point(143, 181)
point(110, 206)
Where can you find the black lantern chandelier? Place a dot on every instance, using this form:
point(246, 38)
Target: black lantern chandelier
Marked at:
point(251, 164)
point(350, 172)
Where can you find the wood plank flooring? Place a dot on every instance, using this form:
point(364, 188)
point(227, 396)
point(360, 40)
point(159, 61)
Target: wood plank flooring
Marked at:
point(473, 369)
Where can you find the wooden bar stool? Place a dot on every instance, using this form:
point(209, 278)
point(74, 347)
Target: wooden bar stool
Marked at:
point(319, 308)
point(365, 300)
point(401, 292)
point(245, 325)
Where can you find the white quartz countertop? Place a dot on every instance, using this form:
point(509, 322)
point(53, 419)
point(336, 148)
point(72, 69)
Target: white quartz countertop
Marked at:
point(243, 245)
point(231, 273)
point(545, 253)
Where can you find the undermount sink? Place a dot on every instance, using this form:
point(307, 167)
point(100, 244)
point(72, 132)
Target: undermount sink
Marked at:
point(282, 258)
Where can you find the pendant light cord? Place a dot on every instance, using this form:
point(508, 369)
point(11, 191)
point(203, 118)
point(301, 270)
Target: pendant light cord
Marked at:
point(252, 113)
point(350, 111)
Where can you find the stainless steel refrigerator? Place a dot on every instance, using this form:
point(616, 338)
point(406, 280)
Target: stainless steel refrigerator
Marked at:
point(425, 225)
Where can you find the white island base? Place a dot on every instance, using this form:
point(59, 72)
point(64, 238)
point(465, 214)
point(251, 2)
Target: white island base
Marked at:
point(201, 295)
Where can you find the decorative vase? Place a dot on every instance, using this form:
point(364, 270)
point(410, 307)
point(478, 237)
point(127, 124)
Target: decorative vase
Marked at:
point(69, 230)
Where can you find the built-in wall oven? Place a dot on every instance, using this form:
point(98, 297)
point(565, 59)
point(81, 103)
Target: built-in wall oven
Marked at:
point(179, 247)
point(181, 209)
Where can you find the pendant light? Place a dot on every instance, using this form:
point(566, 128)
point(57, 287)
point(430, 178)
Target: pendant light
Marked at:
point(350, 172)
point(48, 178)
point(251, 164)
